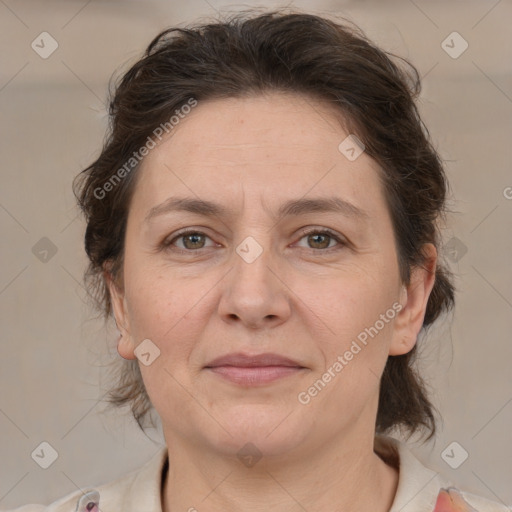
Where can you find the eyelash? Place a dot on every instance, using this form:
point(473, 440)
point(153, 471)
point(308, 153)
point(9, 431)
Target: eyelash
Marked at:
point(166, 245)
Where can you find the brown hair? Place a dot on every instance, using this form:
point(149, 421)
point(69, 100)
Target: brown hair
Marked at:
point(250, 53)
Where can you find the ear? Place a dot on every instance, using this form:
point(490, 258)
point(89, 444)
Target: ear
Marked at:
point(125, 347)
point(414, 300)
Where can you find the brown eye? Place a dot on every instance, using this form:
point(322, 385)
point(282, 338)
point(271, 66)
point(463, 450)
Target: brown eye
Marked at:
point(321, 239)
point(187, 241)
point(193, 240)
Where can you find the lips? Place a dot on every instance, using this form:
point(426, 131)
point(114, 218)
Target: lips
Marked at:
point(247, 361)
point(258, 370)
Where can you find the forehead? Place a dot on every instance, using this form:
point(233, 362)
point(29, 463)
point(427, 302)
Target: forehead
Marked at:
point(278, 146)
point(283, 124)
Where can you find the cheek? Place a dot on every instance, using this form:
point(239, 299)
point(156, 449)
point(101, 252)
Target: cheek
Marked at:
point(354, 346)
point(354, 337)
point(349, 300)
point(158, 306)
point(163, 313)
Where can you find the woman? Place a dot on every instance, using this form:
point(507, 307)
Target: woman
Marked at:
point(262, 224)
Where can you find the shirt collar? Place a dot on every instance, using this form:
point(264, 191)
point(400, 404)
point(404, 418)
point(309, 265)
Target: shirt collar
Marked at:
point(145, 492)
point(418, 486)
point(417, 490)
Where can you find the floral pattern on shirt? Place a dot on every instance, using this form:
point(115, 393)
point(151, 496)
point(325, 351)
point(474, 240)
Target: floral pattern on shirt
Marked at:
point(451, 500)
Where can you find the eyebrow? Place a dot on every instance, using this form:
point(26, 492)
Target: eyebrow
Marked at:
point(293, 207)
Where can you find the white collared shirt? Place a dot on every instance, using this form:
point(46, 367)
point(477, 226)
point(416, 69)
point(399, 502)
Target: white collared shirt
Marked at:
point(420, 489)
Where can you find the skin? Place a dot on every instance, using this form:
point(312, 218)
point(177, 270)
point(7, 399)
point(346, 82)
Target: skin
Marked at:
point(298, 299)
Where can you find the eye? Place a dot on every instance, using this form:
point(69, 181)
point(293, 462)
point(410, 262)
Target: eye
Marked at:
point(320, 239)
point(192, 240)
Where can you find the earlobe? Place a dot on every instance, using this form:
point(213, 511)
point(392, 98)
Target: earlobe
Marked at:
point(414, 300)
point(125, 347)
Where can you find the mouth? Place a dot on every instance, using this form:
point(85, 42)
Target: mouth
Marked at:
point(254, 370)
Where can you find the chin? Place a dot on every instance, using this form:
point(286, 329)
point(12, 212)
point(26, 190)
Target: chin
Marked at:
point(271, 429)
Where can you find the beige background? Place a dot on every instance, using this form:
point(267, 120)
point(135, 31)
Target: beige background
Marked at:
point(52, 125)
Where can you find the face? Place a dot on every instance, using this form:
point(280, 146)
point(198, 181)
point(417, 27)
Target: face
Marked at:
point(294, 257)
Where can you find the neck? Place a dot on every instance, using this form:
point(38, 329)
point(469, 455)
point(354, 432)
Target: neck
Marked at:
point(343, 476)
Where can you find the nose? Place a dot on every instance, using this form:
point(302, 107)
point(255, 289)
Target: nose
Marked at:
point(255, 292)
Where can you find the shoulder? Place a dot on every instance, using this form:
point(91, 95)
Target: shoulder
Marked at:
point(135, 491)
point(77, 501)
point(420, 489)
point(452, 499)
